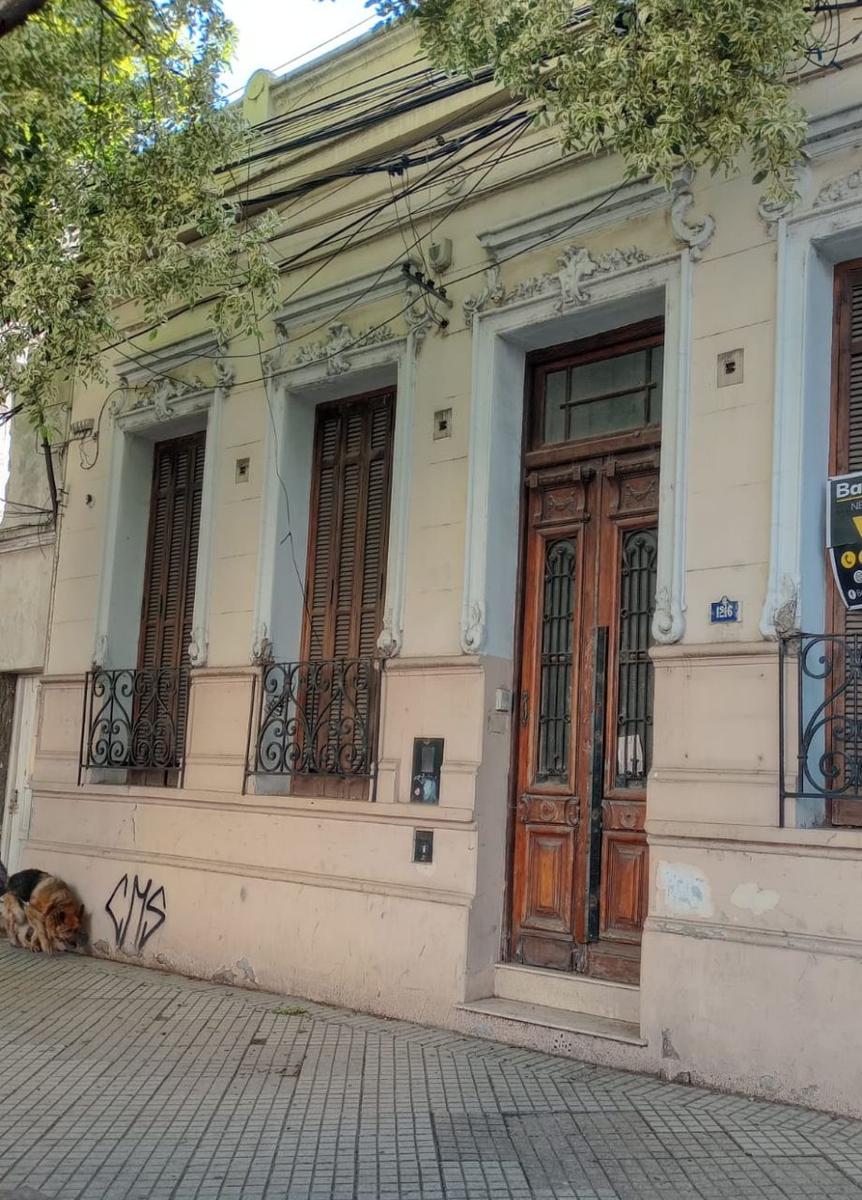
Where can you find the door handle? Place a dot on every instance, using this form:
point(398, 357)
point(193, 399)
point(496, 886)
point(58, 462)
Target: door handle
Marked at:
point(525, 707)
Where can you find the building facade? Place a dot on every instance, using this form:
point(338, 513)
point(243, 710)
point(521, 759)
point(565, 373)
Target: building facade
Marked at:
point(427, 653)
point(27, 545)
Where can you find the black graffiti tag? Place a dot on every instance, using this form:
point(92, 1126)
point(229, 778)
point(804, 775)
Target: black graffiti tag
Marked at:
point(128, 901)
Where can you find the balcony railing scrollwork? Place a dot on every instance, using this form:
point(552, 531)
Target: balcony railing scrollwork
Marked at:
point(820, 717)
point(134, 719)
point(317, 719)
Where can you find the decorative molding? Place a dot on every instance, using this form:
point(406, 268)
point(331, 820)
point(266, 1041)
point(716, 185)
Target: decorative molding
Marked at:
point(391, 636)
point(771, 213)
point(595, 210)
point(313, 308)
point(339, 343)
point(261, 645)
point(781, 609)
point(831, 133)
point(502, 336)
point(809, 243)
point(150, 403)
point(697, 235)
point(198, 646)
point(100, 650)
point(293, 386)
point(144, 368)
point(574, 266)
point(473, 629)
point(840, 191)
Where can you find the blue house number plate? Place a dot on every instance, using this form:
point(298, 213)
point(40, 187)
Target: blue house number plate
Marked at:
point(723, 611)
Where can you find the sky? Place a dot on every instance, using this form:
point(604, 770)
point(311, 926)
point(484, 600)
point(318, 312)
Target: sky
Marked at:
point(281, 34)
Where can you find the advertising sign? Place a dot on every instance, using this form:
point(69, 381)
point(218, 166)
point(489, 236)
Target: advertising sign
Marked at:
point(844, 536)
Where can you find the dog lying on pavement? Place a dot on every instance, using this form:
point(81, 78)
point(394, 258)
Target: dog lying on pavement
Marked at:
point(40, 912)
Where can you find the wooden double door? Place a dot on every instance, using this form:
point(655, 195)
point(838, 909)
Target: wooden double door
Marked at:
point(584, 713)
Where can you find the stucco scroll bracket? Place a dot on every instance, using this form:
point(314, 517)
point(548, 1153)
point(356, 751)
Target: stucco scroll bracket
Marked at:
point(668, 623)
point(695, 234)
point(473, 628)
point(781, 610)
point(100, 651)
point(197, 650)
point(261, 645)
point(391, 636)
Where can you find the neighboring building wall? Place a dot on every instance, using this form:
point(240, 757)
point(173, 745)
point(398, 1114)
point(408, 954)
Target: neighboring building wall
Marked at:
point(753, 933)
point(26, 550)
point(26, 563)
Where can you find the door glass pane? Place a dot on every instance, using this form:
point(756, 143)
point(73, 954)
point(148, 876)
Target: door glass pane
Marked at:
point(556, 664)
point(600, 398)
point(635, 682)
point(555, 406)
point(656, 374)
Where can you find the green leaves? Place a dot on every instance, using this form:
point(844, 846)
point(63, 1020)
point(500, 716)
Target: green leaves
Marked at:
point(112, 134)
point(664, 83)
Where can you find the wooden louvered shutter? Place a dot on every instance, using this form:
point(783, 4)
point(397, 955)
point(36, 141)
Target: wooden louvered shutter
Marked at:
point(172, 551)
point(349, 526)
point(846, 453)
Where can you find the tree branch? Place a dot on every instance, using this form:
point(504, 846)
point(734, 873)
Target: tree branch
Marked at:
point(15, 12)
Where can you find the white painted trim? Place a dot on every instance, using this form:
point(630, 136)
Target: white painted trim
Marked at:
point(808, 245)
point(160, 415)
point(359, 367)
point(501, 338)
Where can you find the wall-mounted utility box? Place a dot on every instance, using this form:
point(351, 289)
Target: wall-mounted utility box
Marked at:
point(423, 846)
point(427, 764)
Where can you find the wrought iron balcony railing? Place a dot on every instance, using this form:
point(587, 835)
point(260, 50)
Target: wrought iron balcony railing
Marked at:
point(318, 719)
point(134, 719)
point(820, 717)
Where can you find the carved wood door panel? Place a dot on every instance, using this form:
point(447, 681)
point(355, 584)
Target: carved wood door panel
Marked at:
point(584, 741)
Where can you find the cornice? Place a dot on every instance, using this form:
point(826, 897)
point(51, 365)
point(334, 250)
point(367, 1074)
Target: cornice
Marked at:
point(594, 210)
point(144, 368)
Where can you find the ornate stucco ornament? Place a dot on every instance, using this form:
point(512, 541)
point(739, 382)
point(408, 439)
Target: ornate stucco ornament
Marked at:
point(473, 628)
point(389, 642)
point(160, 395)
point(668, 622)
point(198, 645)
point(340, 340)
point(781, 610)
point(261, 644)
point(695, 234)
point(771, 213)
point(575, 265)
point(849, 187)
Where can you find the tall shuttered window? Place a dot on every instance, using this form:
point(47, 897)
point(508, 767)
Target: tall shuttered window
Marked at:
point(349, 527)
point(169, 574)
point(845, 456)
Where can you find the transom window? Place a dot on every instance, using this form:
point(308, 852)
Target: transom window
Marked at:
point(597, 392)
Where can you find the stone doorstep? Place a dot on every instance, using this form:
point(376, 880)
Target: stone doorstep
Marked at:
point(561, 1020)
point(574, 993)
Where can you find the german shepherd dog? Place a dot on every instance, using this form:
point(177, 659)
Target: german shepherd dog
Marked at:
point(40, 912)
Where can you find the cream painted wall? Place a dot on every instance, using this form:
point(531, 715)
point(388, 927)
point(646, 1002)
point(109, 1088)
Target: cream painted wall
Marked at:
point(320, 896)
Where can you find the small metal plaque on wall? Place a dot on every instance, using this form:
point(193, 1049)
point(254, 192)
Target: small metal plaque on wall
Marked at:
point(724, 611)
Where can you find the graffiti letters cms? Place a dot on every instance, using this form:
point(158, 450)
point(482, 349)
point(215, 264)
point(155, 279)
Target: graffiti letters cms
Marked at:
point(136, 910)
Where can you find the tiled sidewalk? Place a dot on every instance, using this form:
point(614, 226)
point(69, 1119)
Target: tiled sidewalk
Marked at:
point(120, 1082)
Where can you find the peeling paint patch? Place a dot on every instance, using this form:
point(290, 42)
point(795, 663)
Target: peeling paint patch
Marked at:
point(683, 890)
point(754, 898)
